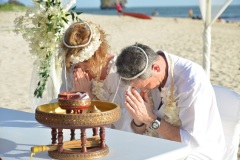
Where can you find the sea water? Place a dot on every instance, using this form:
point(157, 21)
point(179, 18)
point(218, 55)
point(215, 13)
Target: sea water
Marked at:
point(231, 13)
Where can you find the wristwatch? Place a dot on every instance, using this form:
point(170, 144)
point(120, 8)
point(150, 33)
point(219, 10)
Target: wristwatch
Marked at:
point(155, 124)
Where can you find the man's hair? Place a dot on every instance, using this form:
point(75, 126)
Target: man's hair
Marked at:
point(131, 61)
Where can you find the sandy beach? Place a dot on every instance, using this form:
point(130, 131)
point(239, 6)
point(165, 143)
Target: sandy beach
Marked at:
point(182, 37)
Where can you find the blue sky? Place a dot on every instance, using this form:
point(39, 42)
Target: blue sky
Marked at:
point(134, 3)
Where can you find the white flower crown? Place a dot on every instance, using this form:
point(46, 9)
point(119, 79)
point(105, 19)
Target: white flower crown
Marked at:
point(91, 46)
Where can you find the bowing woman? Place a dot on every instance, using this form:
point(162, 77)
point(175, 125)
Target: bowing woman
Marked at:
point(89, 67)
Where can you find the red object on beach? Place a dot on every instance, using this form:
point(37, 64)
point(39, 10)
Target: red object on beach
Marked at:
point(119, 7)
point(137, 15)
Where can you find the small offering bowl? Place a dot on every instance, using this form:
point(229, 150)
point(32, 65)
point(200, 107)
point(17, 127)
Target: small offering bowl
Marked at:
point(74, 100)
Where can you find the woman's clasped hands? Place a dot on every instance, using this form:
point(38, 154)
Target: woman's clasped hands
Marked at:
point(81, 81)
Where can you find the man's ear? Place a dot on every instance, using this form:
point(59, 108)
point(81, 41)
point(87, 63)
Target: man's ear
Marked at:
point(155, 68)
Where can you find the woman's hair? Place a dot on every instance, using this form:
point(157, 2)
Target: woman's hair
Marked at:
point(79, 33)
point(132, 60)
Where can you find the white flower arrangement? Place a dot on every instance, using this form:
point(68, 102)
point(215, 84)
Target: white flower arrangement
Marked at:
point(42, 27)
point(97, 89)
point(171, 110)
point(88, 52)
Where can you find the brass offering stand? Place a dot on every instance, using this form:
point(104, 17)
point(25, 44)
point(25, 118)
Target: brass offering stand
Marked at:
point(75, 111)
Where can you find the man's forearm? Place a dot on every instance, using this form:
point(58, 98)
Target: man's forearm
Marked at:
point(168, 131)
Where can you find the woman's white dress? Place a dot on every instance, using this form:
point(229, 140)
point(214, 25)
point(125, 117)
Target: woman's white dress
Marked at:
point(106, 91)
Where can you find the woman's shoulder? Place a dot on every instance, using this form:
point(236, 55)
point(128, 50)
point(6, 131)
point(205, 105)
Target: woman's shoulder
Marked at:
point(111, 64)
point(112, 69)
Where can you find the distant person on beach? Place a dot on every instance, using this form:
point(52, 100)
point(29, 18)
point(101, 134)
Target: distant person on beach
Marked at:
point(171, 98)
point(190, 14)
point(155, 13)
point(221, 20)
point(89, 67)
point(118, 7)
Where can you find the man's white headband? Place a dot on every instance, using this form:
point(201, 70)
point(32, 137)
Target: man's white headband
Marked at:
point(145, 68)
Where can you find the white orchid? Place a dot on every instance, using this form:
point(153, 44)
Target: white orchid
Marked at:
point(97, 89)
point(42, 27)
point(171, 111)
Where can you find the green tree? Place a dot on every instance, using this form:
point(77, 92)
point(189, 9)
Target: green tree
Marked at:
point(15, 2)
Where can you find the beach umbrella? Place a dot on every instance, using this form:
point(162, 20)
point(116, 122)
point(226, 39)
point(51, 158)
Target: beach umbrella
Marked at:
point(210, 10)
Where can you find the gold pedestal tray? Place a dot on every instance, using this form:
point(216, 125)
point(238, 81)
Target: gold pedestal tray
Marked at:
point(53, 116)
point(78, 155)
point(57, 119)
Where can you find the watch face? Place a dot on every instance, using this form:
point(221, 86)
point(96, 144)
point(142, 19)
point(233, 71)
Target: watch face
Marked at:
point(155, 125)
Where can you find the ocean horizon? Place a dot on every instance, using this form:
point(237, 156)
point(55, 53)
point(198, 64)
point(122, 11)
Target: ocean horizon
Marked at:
point(231, 14)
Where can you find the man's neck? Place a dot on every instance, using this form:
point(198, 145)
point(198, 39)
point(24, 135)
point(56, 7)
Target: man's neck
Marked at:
point(164, 65)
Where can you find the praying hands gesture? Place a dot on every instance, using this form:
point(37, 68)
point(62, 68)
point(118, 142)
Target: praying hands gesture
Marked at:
point(139, 106)
point(81, 81)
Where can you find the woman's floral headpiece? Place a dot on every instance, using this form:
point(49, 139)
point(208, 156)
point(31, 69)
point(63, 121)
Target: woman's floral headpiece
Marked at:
point(89, 48)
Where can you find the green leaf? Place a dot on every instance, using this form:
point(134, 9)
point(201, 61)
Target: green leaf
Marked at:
point(50, 26)
point(39, 1)
point(56, 30)
point(74, 8)
point(73, 16)
point(49, 17)
point(47, 4)
point(65, 20)
point(35, 93)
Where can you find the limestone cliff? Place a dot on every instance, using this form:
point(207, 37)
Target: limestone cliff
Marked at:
point(110, 4)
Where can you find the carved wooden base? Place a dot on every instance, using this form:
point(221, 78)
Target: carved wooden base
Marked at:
point(58, 120)
point(73, 154)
